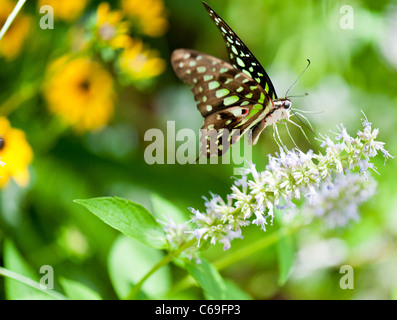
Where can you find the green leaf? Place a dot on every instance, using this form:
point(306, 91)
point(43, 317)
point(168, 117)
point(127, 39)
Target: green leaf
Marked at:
point(209, 279)
point(128, 217)
point(77, 291)
point(393, 294)
point(129, 261)
point(234, 292)
point(286, 257)
point(17, 290)
point(165, 210)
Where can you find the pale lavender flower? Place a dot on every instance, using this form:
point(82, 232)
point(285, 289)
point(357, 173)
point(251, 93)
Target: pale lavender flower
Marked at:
point(337, 204)
point(329, 181)
point(177, 234)
point(218, 223)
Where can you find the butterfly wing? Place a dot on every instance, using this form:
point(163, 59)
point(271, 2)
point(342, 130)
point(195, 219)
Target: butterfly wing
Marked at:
point(223, 128)
point(230, 101)
point(240, 56)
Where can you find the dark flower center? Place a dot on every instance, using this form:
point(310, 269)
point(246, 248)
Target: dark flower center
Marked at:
point(2, 143)
point(85, 85)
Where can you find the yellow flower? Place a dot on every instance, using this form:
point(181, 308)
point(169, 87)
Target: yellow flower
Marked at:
point(11, 43)
point(149, 14)
point(16, 153)
point(67, 10)
point(140, 63)
point(80, 91)
point(110, 28)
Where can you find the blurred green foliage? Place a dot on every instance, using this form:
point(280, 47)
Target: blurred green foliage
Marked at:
point(349, 72)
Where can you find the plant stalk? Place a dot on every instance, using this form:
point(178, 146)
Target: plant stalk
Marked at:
point(167, 259)
point(11, 17)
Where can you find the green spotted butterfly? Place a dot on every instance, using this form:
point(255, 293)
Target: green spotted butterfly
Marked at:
point(233, 98)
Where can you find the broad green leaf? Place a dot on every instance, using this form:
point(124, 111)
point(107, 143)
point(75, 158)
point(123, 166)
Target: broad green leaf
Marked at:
point(208, 278)
point(129, 260)
point(78, 291)
point(233, 292)
point(393, 294)
point(165, 210)
point(128, 217)
point(14, 289)
point(286, 257)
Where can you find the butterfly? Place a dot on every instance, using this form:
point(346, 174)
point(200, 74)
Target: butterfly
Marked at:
point(233, 98)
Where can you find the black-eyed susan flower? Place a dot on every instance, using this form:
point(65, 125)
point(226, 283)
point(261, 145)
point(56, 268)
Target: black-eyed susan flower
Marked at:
point(140, 63)
point(149, 15)
point(80, 91)
point(66, 10)
point(16, 153)
point(110, 29)
point(13, 39)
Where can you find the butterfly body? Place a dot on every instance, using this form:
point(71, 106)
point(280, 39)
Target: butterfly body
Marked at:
point(234, 98)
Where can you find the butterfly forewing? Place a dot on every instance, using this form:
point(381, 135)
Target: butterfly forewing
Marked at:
point(229, 100)
point(216, 84)
point(240, 56)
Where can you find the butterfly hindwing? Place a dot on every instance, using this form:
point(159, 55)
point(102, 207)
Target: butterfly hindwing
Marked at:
point(229, 100)
point(240, 56)
point(223, 128)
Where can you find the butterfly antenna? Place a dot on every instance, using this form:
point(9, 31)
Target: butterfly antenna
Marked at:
point(308, 64)
point(299, 96)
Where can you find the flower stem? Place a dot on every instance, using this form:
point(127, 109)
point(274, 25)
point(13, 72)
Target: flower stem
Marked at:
point(240, 254)
point(167, 259)
point(29, 282)
point(255, 247)
point(13, 102)
point(11, 17)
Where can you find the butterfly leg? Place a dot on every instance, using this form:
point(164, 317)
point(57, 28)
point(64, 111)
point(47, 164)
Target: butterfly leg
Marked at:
point(307, 111)
point(274, 136)
point(281, 141)
point(295, 124)
point(289, 133)
point(304, 117)
point(277, 138)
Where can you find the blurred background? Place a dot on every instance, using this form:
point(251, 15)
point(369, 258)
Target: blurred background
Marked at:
point(76, 101)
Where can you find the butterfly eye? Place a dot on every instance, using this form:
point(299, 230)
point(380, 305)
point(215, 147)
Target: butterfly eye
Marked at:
point(287, 104)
